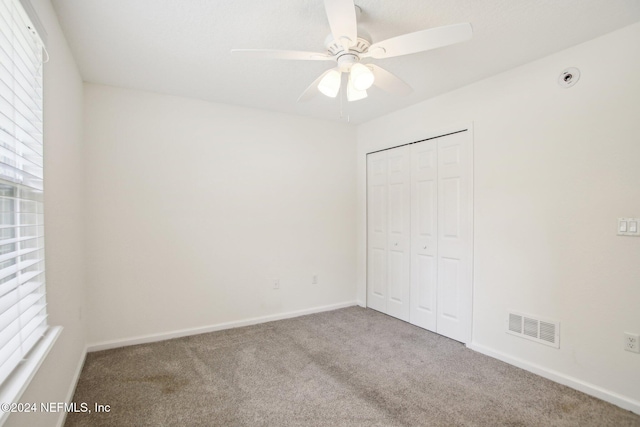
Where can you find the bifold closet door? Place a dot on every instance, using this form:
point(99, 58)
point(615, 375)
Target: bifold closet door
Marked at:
point(424, 234)
point(377, 231)
point(440, 236)
point(389, 233)
point(454, 293)
point(419, 234)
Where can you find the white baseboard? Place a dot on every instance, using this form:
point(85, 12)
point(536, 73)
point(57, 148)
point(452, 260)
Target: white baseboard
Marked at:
point(72, 387)
point(212, 328)
point(585, 387)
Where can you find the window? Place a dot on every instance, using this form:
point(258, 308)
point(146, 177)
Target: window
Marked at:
point(23, 313)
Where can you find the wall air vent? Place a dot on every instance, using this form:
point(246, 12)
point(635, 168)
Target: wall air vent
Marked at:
point(542, 331)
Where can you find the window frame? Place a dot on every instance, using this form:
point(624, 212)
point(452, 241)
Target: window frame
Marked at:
point(12, 388)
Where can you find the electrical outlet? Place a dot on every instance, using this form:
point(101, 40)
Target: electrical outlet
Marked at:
point(632, 342)
point(276, 283)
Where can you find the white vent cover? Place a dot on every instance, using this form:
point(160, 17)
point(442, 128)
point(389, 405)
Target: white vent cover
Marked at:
point(535, 329)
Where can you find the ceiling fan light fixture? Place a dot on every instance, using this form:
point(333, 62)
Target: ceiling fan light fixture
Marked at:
point(354, 94)
point(347, 45)
point(330, 83)
point(361, 77)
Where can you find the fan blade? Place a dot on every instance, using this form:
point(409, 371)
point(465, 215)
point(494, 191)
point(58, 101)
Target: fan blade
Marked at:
point(420, 41)
point(389, 82)
point(312, 90)
point(284, 54)
point(342, 20)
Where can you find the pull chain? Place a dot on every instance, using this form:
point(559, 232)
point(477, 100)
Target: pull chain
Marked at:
point(342, 95)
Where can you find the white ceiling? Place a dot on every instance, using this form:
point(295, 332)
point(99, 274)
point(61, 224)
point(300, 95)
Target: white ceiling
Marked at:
point(181, 47)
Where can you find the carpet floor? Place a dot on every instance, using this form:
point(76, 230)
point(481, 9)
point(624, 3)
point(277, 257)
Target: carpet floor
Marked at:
point(348, 367)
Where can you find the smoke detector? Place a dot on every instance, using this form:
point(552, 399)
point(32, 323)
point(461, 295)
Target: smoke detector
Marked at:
point(569, 77)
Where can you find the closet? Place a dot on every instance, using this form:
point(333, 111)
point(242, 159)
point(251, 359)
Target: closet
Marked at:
point(419, 236)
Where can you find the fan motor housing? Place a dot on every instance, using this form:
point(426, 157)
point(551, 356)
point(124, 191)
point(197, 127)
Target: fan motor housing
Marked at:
point(346, 60)
point(335, 48)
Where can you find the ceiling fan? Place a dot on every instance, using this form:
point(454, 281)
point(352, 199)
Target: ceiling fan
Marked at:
point(347, 49)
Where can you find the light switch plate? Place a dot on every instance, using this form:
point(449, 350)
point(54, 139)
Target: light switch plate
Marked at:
point(622, 226)
point(629, 227)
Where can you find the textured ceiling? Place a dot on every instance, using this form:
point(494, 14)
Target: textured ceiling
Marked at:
point(181, 47)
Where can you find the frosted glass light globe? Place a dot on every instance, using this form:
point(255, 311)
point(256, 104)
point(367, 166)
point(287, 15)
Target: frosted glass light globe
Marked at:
point(361, 77)
point(330, 83)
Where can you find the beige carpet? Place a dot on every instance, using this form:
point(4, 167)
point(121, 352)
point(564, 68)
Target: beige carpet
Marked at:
point(349, 367)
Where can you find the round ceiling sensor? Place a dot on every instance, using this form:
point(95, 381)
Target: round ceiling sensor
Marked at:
point(569, 77)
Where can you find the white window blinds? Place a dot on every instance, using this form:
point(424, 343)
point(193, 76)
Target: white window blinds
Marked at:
point(23, 316)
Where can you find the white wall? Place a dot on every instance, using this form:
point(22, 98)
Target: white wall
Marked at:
point(64, 223)
point(193, 207)
point(554, 168)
